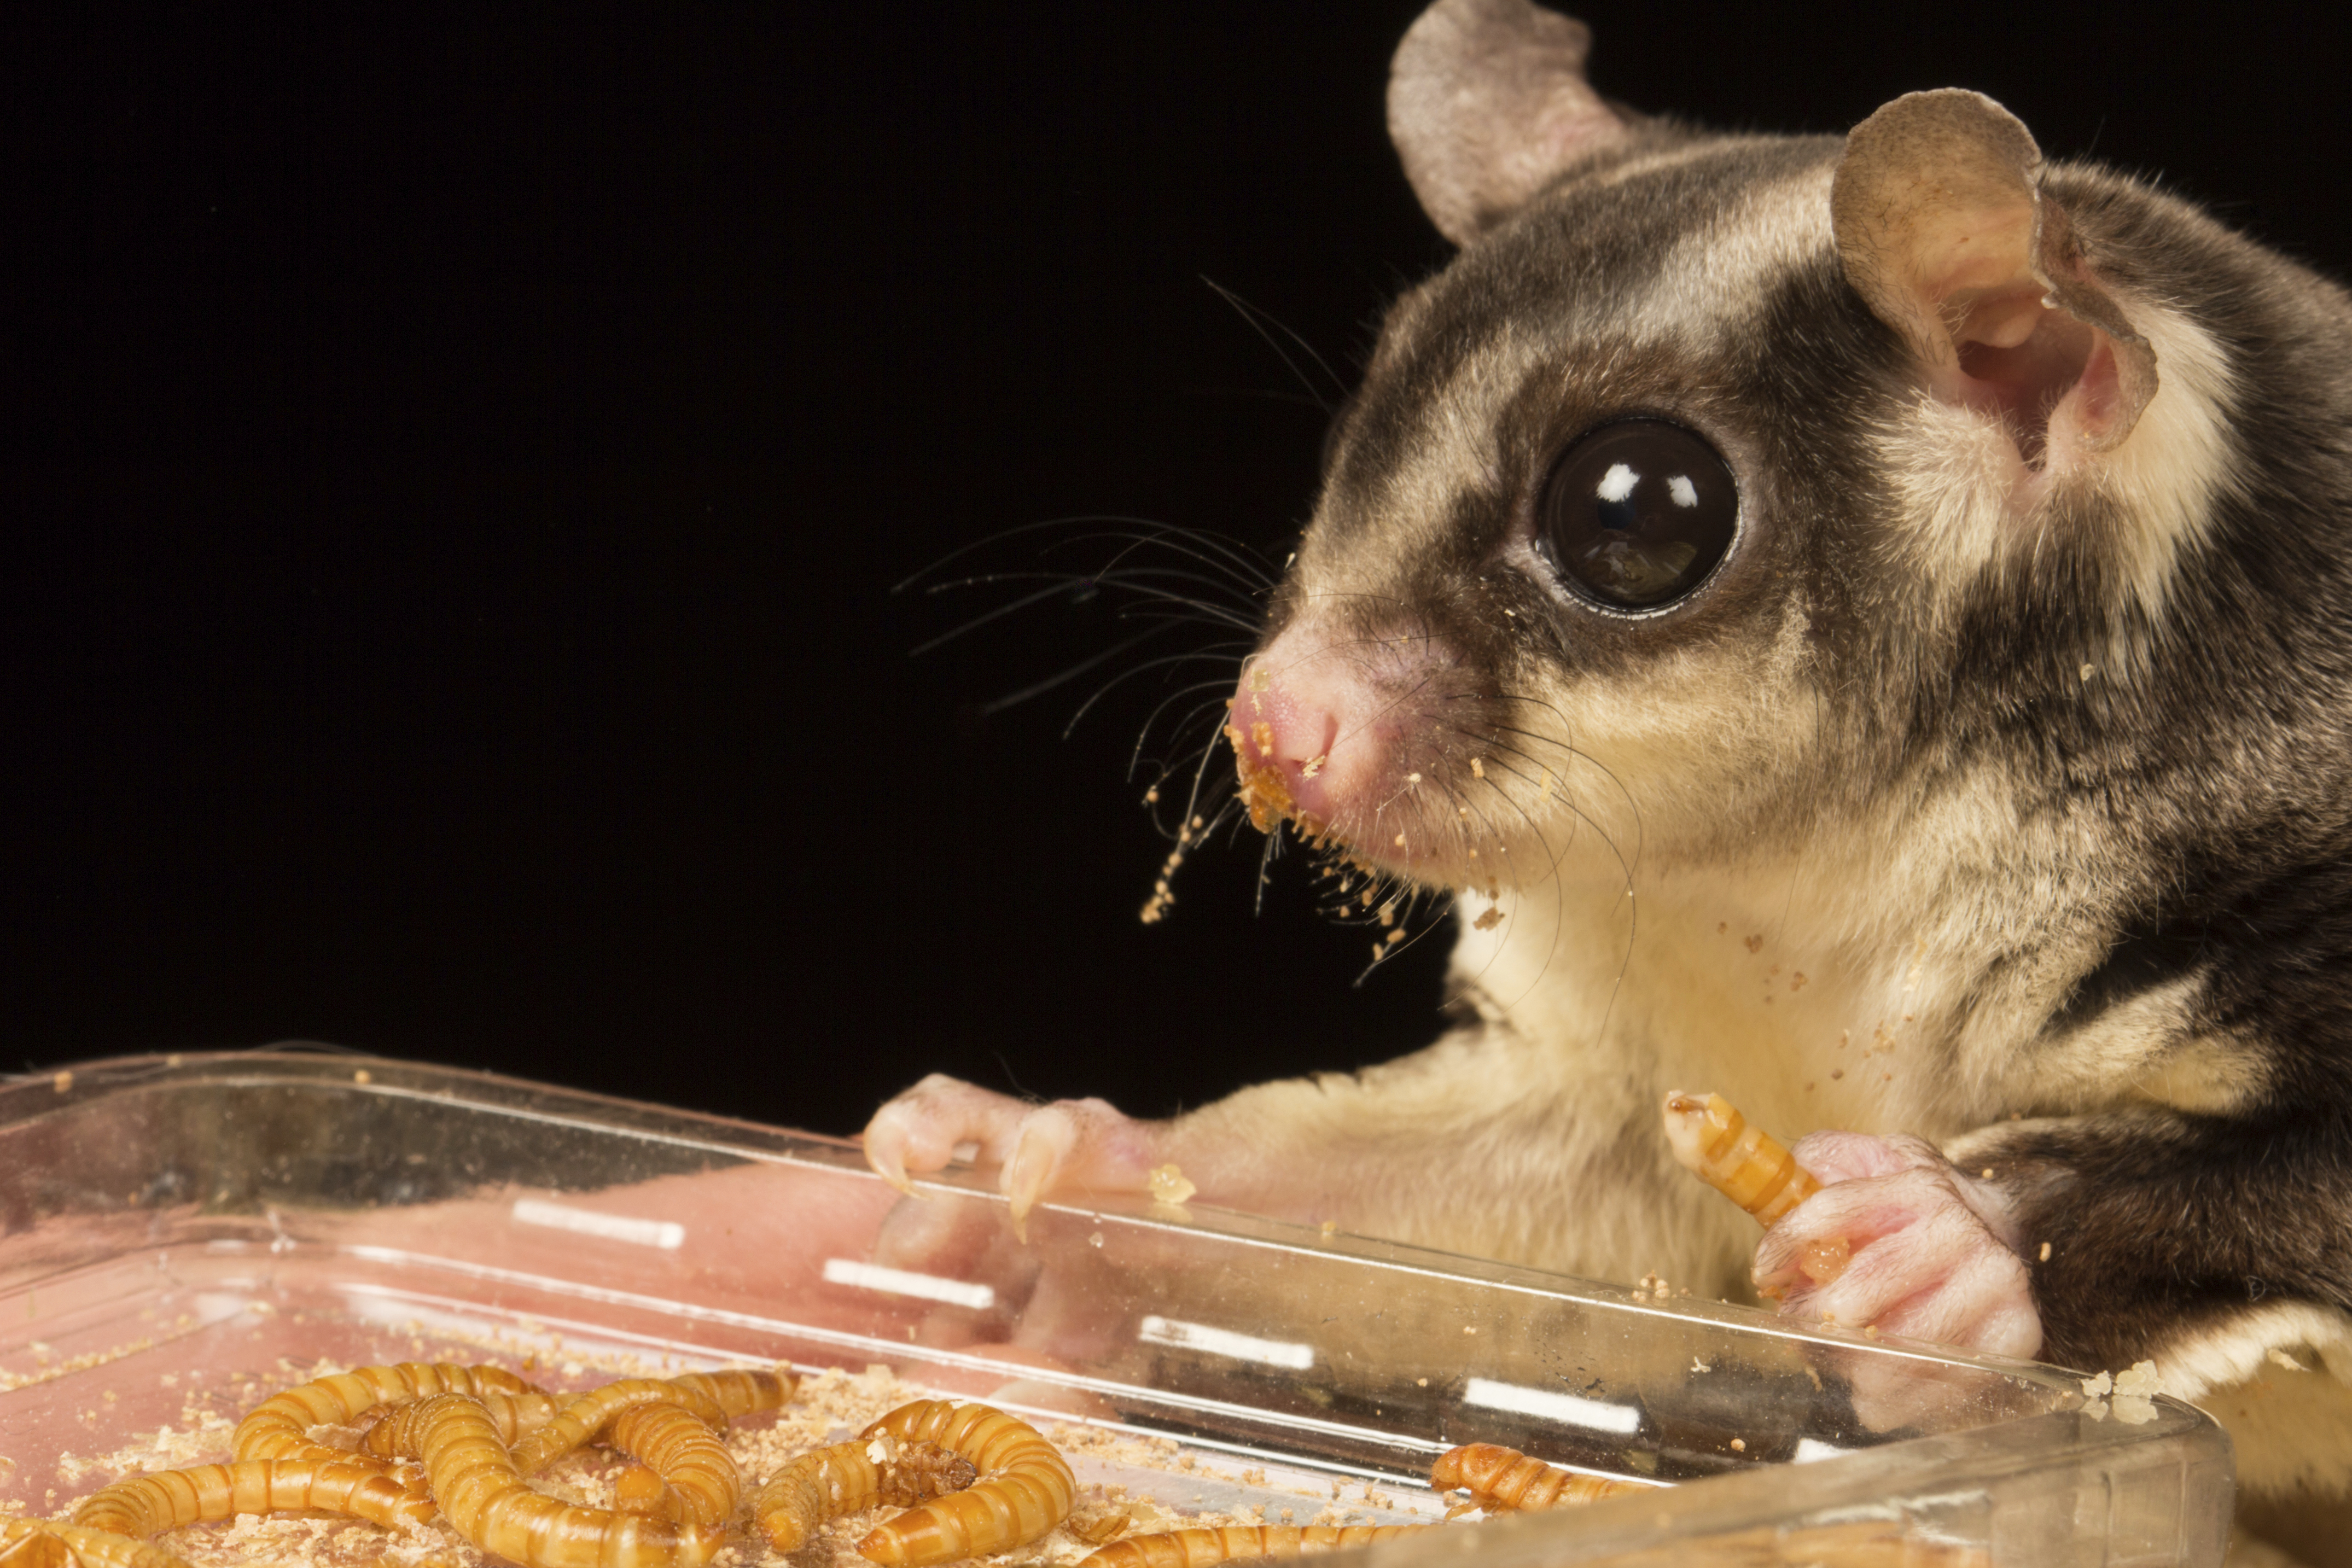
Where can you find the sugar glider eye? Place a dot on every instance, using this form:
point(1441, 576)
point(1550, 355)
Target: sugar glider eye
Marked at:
point(1637, 513)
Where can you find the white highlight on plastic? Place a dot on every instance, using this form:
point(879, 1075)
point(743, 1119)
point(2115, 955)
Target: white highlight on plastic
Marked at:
point(1811, 1448)
point(901, 1282)
point(1225, 1342)
point(1594, 1414)
point(666, 1234)
point(1618, 483)
point(1684, 492)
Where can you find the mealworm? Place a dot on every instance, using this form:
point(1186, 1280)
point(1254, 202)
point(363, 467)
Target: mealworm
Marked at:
point(486, 1497)
point(1028, 1488)
point(685, 1456)
point(27, 1543)
point(278, 1429)
point(1739, 1160)
point(739, 1391)
point(850, 1478)
point(22, 1544)
point(640, 1488)
point(712, 1396)
point(1499, 1477)
point(165, 1500)
point(517, 1416)
point(1198, 1548)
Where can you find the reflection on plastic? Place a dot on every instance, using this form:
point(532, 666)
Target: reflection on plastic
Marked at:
point(666, 1234)
point(1596, 1415)
point(1225, 1341)
point(906, 1282)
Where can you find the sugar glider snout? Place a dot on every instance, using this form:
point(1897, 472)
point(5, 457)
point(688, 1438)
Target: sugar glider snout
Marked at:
point(1320, 731)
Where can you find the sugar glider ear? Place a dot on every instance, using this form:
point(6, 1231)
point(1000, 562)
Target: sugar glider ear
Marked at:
point(1487, 102)
point(1944, 229)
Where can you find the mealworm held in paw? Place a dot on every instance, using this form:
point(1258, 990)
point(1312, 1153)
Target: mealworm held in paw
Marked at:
point(1739, 1159)
point(1500, 1478)
point(1026, 1492)
point(1198, 1548)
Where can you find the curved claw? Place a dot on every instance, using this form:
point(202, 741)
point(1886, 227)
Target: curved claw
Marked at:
point(1038, 1149)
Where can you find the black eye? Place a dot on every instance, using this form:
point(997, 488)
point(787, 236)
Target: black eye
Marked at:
point(1638, 513)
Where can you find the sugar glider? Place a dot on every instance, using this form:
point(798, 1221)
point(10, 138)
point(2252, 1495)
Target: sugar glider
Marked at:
point(1863, 625)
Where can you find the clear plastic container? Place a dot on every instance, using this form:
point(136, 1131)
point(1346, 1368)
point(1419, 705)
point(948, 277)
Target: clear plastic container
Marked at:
point(264, 1209)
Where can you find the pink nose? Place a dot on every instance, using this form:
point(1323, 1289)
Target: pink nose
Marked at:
point(1283, 739)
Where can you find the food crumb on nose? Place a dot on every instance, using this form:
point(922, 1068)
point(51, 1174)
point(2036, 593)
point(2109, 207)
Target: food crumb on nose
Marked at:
point(1488, 921)
point(1314, 766)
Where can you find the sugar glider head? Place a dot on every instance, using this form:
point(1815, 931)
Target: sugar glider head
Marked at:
point(1721, 481)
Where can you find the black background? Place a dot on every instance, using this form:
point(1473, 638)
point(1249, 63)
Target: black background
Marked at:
point(456, 469)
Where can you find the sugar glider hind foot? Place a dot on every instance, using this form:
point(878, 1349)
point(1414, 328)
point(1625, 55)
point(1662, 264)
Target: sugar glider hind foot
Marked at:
point(1064, 1147)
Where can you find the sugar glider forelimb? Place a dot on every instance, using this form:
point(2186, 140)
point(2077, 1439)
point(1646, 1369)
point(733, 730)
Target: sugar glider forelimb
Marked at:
point(1861, 623)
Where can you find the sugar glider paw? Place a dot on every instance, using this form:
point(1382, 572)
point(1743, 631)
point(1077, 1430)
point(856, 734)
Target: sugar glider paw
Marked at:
point(1038, 1150)
point(1899, 1240)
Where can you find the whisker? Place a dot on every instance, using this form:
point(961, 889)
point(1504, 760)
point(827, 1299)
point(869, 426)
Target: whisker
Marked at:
point(1190, 540)
point(1145, 668)
point(1251, 314)
point(1136, 760)
point(1040, 689)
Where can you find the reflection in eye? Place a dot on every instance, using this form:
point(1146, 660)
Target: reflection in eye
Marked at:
point(1625, 541)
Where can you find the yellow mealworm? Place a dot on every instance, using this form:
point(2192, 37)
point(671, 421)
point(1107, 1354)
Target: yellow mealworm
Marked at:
point(165, 1500)
point(1498, 1478)
point(1737, 1159)
point(1198, 1548)
point(28, 1543)
point(850, 1478)
point(712, 1396)
point(639, 1489)
point(486, 1497)
point(278, 1429)
point(739, 1392)
point(517, 1416)
point(685, 1454)
point(22, 1546)
point(1026, 1488)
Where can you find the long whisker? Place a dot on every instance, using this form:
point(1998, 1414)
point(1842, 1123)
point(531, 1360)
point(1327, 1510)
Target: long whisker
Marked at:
point(1136, 760)
point(1145, 668)
point(1014, 699)
point(1253, 315)
point(1256, 575)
